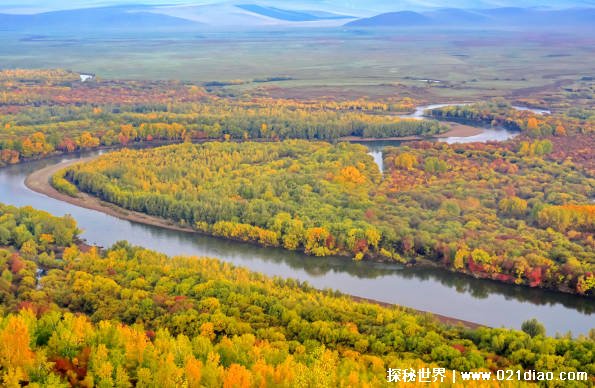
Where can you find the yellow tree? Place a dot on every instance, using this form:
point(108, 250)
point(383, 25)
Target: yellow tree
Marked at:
point(193, 372)
point(560, 130)
point(352, 175)
point(237, 377)
point(406, 161)
point(86, 140)
point(16, 356)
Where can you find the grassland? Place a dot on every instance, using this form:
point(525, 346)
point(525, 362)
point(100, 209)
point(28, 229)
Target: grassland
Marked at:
point(328, 62)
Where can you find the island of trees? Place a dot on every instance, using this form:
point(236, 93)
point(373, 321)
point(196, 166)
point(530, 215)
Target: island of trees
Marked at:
point(517, 212)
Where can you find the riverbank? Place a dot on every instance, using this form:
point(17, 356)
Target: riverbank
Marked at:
point(456, 130)
point(442, 318)
point(39, 181)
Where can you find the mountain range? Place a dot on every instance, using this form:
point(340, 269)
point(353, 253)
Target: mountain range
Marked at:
point(226, 16)
point(484, 18)
point(360, 8)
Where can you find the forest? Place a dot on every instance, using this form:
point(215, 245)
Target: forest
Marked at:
point(51, 111)
point(516, 212)
point(500, 113)
point(48, 111)
point(272, 170)
point(75, 315)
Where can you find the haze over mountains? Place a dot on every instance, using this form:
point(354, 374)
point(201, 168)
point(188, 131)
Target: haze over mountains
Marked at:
point(359, 8)
point(487, 18)
point(226, 15)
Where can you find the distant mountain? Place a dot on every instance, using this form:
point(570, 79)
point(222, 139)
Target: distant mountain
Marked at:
point(289, 15)
point(143, 18)
point(551, 18)
point(229, 16)
point(458, 16)
point(129, 18)
point(401, 19)
point(359, 8)
point(217, 15)
point(488, 18)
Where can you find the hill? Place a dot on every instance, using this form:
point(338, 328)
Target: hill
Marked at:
point(393, 19)
point(289, 15)
point(129, 18)
point(230, 16)
point(238, 16)
point(506, 17)
point(361, 8)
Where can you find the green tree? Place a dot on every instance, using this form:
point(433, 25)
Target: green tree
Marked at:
point(533, 327)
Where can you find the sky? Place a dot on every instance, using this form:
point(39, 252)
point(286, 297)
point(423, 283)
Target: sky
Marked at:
point(365, 6)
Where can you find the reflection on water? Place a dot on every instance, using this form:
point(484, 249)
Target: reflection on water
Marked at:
point(534, 110)
point(376, 149)
point(434, 290)
point(487, 134)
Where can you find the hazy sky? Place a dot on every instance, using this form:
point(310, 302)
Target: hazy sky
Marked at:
point(34, 6)
point(31, 6)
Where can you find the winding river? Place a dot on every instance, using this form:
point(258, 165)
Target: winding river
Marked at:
point(376, 147)
point(434, 290)
point(488, 133)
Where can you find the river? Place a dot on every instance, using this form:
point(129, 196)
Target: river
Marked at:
point(376, 147)
point(418, 114)
point(488, 133)
point(434, 290)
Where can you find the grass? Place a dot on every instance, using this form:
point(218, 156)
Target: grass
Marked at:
point(474, 64)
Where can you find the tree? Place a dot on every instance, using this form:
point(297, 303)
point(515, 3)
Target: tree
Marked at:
point(533, 327)
point(406, 161)
point(66, 145)
point(513, 206)
point(585, 283)
point(433, 165)
point(21, 234)
point(16, 356)
point(560, 130)
point(532, 124)
point(86, 140)
point(193, 373)
point(352, 175)
point(316, 241)
point(460, 258)
point(237, 377)
point(5, 235)
point(29, 248)
point(543, 147)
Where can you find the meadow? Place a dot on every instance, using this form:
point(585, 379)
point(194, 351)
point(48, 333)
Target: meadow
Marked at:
point(334, 62)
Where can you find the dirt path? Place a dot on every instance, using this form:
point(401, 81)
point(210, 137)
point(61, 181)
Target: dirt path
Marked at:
point(38, 181)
